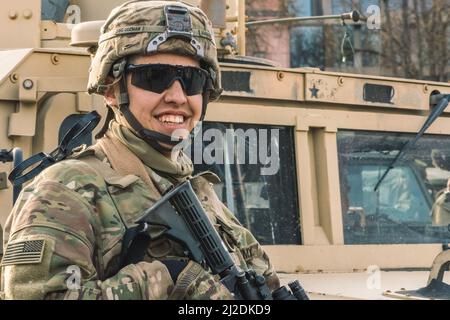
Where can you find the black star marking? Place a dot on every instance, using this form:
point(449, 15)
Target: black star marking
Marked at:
point(314, 91)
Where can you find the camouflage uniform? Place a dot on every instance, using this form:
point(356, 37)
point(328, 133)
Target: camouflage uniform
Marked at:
point(81, 217)
point(63, 238)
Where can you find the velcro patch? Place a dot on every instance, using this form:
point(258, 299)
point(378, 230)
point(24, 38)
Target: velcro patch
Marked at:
point(23, 252)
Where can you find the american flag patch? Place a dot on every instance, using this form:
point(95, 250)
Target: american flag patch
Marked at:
point(23, 252)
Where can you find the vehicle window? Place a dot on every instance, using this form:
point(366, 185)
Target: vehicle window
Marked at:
point(411, 205)
point(256, 164)
point(54, 9)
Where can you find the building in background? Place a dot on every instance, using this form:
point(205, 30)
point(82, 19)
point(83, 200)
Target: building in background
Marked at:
point(412, 41)
point(269, 41)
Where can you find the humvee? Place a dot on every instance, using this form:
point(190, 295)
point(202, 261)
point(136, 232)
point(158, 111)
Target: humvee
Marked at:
point(328, 137)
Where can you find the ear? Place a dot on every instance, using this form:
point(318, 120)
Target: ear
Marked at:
point(110, 95)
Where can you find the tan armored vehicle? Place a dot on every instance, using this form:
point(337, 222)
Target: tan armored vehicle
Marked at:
point(323, 141)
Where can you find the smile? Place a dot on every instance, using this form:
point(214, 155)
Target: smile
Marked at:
point(167, 118)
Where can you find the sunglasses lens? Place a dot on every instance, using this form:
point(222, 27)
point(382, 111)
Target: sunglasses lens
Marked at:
point(194, 80)
point(157, 78)
point(150, 79)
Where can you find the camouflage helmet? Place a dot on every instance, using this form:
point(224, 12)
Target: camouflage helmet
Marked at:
point(149, 27)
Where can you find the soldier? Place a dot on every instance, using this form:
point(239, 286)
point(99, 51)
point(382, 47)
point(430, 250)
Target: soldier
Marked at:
point(157, 68)
point(440, 212)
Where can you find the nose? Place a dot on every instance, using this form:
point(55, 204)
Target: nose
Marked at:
point(175, 94)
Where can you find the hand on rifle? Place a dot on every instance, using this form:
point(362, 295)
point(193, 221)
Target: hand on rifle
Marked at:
point(193, 282)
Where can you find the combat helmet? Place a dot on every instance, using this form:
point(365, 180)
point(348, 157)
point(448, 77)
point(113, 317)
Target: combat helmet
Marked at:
point(145, 28)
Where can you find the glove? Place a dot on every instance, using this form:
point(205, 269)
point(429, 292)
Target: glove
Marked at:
point(152, 279)
point(195, 283)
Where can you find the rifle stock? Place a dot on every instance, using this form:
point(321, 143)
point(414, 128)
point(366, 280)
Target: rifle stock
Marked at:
point(180, 212)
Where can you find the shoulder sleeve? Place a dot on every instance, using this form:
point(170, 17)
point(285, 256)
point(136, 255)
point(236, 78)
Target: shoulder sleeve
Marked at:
point(50, 247)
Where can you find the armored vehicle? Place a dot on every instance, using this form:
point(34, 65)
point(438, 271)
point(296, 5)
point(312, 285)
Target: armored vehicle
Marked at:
point(323, 140)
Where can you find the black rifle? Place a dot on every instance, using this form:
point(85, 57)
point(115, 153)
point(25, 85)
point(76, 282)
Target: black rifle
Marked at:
point(184, 220)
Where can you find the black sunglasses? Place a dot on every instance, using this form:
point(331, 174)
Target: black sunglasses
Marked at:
point(159, 77)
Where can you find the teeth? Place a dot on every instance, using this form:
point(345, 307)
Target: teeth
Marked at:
point(171, 118)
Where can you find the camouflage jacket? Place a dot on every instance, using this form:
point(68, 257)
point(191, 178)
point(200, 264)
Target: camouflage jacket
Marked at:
point(69, 224)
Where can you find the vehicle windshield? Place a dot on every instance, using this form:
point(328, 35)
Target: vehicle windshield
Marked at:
point(412, 204)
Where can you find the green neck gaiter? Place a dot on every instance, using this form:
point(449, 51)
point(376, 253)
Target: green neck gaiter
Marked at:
point(179, 169)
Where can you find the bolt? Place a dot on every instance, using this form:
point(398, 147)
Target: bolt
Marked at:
point(55, 58)
point(426, 88)
point(12, 14)
point(340, 81)
point(280, 75)
point(27, 13)
point(28, 84)
point(14, 77)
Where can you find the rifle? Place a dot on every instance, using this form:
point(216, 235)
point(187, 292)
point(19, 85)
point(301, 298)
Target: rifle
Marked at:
point(184, 220)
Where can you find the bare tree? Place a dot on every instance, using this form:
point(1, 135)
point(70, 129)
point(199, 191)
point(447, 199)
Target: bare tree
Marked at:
point(415, 38)
point(413, 41)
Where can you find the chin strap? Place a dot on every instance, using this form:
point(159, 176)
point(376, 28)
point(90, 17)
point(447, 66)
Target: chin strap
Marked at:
point(109, 117)
point(153, 138)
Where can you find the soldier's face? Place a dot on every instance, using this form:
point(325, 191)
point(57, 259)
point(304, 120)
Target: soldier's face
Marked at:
point(170, 110)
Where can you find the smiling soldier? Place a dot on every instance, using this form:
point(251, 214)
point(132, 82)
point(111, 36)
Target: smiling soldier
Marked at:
point(156, 66)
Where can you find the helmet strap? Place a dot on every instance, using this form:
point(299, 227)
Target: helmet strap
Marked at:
point(153, 138)
point(109, 117)
point(205, 99)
